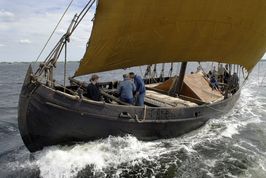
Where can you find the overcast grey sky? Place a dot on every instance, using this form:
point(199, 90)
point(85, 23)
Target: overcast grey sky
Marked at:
point(25, 25)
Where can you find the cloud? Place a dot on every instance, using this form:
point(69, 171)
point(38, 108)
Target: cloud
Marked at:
point(60, 31)
point(25, 41)
point(31, 21)
point(78, 39)
point(6, 16)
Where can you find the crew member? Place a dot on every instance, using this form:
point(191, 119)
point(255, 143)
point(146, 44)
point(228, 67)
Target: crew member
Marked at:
point(93, 91)
point(140, 89)
point(125, 89)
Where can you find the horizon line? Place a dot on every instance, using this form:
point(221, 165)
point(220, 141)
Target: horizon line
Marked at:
point(78, 61)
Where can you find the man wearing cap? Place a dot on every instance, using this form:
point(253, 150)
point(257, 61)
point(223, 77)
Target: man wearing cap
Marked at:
point(93, 91)
point(125, 89)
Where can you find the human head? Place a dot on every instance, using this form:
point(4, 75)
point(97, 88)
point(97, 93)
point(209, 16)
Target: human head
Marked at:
point(125, 76)
point(94, 78)
point(131, 75)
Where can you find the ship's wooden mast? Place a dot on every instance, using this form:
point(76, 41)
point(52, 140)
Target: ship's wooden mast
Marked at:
point(49, 63)
point(178, 81)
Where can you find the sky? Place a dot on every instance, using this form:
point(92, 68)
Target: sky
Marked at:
point(26, 25)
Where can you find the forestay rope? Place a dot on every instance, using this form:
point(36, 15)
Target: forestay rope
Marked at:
point(50, 61)
point(54, 30)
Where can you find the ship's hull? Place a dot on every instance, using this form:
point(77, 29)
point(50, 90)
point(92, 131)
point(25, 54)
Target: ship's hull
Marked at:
point(48, 117)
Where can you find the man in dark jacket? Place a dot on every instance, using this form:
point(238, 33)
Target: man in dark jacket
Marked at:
point(93, 91)
point(140, 89)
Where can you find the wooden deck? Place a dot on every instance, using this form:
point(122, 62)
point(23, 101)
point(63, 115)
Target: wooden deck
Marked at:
point(195, 88)
point(164, 100)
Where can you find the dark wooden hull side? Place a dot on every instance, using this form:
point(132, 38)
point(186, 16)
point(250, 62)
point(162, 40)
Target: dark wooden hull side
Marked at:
point(48, 117)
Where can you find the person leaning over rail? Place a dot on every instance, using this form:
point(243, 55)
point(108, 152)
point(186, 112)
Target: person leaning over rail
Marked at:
point(140, 89)
point(125, 89)
point(93, 91)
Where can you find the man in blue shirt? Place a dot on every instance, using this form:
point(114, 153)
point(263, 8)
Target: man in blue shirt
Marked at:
point(140, 89)
point(214, 83)
point(126, 88)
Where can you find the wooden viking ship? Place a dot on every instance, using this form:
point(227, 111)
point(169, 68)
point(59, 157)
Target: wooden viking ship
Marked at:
point(130, 33)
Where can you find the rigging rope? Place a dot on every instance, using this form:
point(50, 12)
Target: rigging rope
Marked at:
point(65, 63)
point(82, 14)
point(162, 71)
point(154, 74)
point(148, 70)
point(141, 72)
point(54, 30)
point(202, 69)
point(171, 70)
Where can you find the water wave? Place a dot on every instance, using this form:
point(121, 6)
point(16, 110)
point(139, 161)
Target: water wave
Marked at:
point(221, 148)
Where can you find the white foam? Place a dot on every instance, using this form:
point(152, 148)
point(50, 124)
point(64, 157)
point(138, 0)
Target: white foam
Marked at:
point(254, 149)
point(58, 161)
point(210, 162)
point(231, 130)
point(68, 161)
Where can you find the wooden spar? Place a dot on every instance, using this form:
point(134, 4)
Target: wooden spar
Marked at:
point(82, 84)
point(194, 100)
point(181, 77)
point(178, 82)
point(157, 90)
point(113, 97)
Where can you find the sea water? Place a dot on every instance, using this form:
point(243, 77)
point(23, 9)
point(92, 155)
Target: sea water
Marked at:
point(233, 145)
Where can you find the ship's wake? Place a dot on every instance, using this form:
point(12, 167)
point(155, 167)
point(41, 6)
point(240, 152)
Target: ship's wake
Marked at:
point(216, 149)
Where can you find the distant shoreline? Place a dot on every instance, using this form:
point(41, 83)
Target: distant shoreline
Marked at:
point(27, 62)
